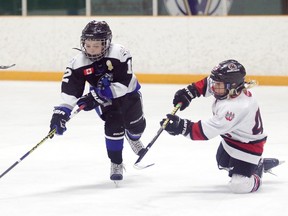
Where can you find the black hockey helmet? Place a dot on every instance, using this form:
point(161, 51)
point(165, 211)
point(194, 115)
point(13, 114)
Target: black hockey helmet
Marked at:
point(232, 74)
point(100, 31)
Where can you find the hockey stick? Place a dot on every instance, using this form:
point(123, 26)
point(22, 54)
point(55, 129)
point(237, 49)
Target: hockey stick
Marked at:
point(50, 135)
point(136, 164)
point(5, 67)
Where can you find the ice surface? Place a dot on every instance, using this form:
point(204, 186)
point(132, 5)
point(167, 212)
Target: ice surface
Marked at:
point(69, 175)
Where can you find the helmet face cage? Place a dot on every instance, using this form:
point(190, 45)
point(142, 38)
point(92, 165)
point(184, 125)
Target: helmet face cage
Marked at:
point(96, 31)
point(215, 88)
point(232, 74)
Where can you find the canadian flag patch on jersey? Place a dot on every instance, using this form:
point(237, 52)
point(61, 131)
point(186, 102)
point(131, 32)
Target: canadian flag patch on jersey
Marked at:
point(88, 71)
point(229, 116)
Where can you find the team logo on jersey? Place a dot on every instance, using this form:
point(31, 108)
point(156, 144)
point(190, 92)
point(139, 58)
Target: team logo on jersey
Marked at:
point(109, 65)
point(229, 116)
point(88, 71)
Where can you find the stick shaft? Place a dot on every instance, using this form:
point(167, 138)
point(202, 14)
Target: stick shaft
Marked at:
point(176, 108)
point(50, 134)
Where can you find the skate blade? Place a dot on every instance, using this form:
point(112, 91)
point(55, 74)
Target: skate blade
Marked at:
point(117, 183)
point(270, 170)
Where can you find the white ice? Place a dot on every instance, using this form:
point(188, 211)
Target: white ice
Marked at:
point(69, 174)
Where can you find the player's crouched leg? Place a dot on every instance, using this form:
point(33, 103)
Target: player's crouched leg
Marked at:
point(243, 184)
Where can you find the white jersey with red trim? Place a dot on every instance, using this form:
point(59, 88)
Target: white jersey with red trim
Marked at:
point(237, 120)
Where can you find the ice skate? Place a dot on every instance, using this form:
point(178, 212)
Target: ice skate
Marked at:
point(116, 173)
point(270, 163)
point(136, 145)
point(260, 169)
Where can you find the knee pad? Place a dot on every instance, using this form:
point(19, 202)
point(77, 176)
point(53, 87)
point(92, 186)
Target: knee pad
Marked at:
point(243, 184)
point(114, 127)
point(136, 127)
point(114, 131)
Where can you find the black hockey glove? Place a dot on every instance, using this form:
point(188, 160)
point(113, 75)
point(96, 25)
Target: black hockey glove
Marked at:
point(177, 125)
point(185, 96)
point(59, 118)
point(92, 100)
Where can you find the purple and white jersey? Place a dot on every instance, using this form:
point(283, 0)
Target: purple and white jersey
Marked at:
point(112, 76)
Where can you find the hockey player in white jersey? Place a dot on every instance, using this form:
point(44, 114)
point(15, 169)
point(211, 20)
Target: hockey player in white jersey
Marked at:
point(236, 118)
point(114, 92)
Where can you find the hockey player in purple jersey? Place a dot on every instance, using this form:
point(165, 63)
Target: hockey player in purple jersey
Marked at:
point(236, 118)
point(114, 92)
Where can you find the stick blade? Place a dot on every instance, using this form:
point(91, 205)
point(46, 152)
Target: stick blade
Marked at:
point(141, 166)
point(6, 67)
point(143, 153)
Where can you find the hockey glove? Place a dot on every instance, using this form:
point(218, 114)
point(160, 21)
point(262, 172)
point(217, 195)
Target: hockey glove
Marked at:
point(176, 125)
point(92, 100)
point(59, 118)
point(185, 96)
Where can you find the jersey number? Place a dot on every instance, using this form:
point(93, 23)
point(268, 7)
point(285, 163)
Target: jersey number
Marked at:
point(67, 73)
point(258, 127)
point(129, 70)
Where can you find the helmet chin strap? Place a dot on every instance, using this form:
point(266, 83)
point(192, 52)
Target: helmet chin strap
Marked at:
point(231, 93)
point(221, 97)
point(234, 92)
point(93, 57)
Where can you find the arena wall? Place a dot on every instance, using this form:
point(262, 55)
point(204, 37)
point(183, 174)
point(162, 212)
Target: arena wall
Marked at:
point(164, 49)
